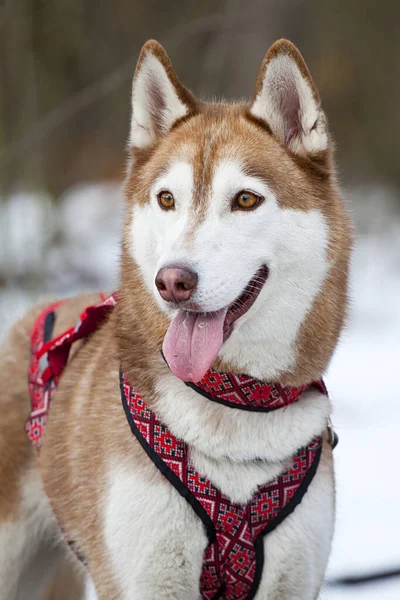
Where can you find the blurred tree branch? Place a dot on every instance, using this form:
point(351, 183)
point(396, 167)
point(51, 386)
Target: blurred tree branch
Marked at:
point(66, 68)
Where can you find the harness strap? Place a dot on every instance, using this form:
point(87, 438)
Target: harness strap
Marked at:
point(53, 354)
point(234, 557)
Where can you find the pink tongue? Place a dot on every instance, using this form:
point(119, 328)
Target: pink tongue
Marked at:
point(193, 342)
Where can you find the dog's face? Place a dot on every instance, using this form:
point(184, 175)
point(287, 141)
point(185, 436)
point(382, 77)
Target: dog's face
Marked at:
point(232, 214)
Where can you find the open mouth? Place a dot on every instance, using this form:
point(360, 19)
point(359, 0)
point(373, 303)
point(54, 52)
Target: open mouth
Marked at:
point(246, 299)
point(194, 339)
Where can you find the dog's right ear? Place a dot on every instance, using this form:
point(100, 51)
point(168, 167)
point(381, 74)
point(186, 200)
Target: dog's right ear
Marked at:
point(158, 97)
point(287, 100)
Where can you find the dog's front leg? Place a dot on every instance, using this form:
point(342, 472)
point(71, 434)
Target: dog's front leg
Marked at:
point(297, 551)
point(154, 539)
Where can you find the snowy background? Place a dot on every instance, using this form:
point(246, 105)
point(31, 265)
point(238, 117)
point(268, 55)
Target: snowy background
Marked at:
point(72, 245)
point(363, 384)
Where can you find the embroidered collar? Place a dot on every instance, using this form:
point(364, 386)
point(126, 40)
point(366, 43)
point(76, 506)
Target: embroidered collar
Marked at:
point(246, 393)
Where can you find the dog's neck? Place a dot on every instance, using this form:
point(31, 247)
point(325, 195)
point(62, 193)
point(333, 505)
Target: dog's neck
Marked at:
point(237, 449)
point(144, 366)
point(222, 440)
point(222, 432)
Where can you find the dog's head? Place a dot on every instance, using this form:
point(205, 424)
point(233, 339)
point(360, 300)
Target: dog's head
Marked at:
point(235, 231)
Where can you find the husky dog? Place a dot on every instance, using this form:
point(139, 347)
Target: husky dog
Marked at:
point(234, 275)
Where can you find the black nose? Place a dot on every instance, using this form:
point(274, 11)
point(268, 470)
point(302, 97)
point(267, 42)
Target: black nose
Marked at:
point(176, 284)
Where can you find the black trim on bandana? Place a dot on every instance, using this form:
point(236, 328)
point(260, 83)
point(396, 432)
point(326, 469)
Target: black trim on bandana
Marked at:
point(218, 400)
point(48, 326)
point(166, 471)
point(297, 498)
point(285, 512)
point(221, 591)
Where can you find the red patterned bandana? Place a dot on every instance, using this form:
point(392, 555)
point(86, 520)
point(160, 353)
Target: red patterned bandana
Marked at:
point(49, 357)
point(247, 393)
point(234, 557)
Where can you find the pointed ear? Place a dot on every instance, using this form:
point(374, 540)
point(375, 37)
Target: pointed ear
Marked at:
point(158, 98)
point(287, 100)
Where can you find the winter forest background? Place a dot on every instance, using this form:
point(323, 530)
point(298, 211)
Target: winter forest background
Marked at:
point(65, 77)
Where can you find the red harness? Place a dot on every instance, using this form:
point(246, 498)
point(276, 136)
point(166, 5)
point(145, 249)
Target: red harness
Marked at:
point(234, 557)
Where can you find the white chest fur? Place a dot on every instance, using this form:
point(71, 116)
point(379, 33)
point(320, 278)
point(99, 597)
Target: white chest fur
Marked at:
point(156, 541)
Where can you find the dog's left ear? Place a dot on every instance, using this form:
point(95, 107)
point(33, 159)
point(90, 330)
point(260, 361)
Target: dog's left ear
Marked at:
point(287, 100)
point(158, 97)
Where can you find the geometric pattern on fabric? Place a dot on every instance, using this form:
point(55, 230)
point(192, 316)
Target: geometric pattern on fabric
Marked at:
point(39, 391)
point(50, 356)
point(233, 559)
point(242, 391)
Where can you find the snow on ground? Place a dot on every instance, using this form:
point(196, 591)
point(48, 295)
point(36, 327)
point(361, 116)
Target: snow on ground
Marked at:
point(74, 247)
point(364, 387)
point(382, 590)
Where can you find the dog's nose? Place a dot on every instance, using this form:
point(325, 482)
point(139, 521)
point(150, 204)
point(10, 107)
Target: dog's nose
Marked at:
point(176, 284)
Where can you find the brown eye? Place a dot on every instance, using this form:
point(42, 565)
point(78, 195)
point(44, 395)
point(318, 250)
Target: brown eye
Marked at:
point(246, 201)
point(166, 200)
